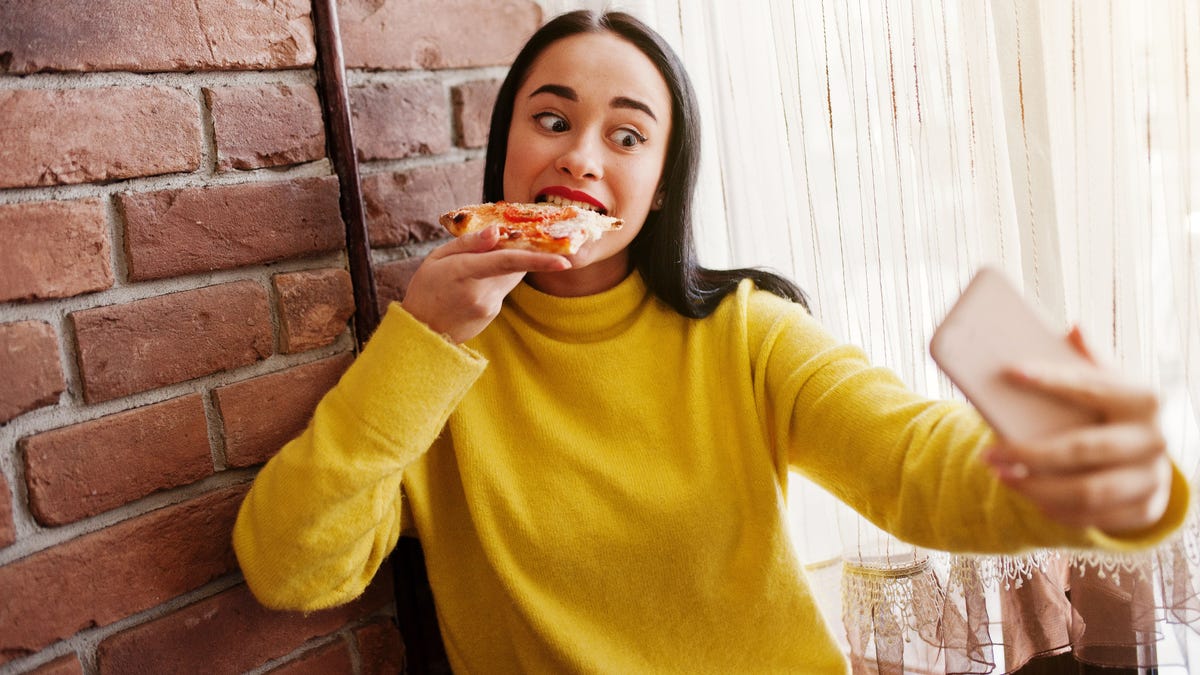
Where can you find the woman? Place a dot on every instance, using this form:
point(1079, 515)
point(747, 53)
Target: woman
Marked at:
point(594, 451)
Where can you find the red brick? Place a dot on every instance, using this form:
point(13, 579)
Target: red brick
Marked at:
point(271, 125)
point(8, 531)
point(29, 368)
point(63, 665)
point(177, 35)
point(392, 279)
point(382, 34)
point(380, 648)
point(54, 250)
point(227, 633)
point(473, 103)
point(333, 659)
point(403, 208)
point(171, 338)
point(252, 435)
point(314, 306)
point(174, 232)
point(105, 576)
point(84, 469)
point(61, 136)
point(393, 121)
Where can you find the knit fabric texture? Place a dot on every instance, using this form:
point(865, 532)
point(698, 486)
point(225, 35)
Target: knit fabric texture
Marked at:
point(599, 483)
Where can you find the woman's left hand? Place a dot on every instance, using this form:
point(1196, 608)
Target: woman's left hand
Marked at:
point(1114, 475)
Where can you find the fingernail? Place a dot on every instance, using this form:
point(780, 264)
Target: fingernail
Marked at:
point(1011, 472)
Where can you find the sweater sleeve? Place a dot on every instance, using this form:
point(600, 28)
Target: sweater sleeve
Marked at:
point(909, 464)
point(325, 511)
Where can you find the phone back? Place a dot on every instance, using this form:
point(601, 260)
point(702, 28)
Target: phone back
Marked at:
point(992, 327)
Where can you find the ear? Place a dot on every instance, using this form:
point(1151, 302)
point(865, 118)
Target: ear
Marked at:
point(660, 198)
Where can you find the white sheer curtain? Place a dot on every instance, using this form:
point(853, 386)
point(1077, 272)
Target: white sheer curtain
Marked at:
point(879, 151)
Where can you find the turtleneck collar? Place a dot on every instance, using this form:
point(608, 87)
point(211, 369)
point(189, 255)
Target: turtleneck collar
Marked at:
point(588, 317)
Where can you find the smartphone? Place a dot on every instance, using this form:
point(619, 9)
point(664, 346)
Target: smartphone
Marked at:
point(992, 327)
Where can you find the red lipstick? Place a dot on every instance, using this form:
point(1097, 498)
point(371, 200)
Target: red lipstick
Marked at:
point(575, 195)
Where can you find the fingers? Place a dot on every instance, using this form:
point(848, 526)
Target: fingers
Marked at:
point(1127, 498)
point(492, 262)
point(1097, 388)
point(475, 242)
point(1133, 516)
point(1083, 449)
point(1094, 388)
point(1113, 474)
point(1075, 338)
point(460, 286)
point(510, 261)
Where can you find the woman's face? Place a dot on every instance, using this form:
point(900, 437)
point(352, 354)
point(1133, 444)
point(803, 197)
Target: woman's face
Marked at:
point(590, 125)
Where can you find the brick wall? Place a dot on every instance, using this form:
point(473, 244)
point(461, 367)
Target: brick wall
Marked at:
point(174, 300)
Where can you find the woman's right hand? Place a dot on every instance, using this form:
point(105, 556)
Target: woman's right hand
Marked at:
point(461, 285)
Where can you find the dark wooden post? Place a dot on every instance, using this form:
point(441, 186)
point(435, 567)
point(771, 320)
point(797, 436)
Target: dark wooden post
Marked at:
point(339, 135)
point(424, 652)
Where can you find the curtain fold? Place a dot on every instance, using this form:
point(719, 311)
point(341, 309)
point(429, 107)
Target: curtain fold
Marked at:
point(878, 152)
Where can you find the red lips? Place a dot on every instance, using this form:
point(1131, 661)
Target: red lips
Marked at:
point(575, 195)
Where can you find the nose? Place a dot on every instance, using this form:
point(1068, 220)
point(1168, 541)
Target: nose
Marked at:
point(580, 160)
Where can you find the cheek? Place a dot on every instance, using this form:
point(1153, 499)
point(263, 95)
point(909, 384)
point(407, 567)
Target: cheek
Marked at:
point(514, 161)
point(516, 178)
point(643, 179)
point(639, 187)
point(509, 181)
point(525, 160)
point(607, 246)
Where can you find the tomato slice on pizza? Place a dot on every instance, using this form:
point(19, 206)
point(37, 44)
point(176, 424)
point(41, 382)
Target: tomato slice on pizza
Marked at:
point(536, 227)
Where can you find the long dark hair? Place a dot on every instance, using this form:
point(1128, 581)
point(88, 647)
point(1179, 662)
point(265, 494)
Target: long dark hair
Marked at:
point(664, 251)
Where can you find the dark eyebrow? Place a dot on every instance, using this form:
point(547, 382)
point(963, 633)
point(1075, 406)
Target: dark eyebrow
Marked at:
point(618, 102)
point(556, 89)
point(625, 102)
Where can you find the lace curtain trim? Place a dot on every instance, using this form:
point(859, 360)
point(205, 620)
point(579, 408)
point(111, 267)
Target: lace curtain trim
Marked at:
point(1108, 609)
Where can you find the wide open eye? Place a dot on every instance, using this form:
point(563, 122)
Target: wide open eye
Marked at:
point(627, 138)
point(551, 122)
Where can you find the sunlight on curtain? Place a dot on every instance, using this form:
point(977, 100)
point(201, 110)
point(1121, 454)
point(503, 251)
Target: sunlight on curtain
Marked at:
point(878, 152)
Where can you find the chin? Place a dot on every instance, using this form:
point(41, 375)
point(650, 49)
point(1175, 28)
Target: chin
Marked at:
point(580, 259)
point(588, 254)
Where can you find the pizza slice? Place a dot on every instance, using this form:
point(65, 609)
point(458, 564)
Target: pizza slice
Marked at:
point(536, 227)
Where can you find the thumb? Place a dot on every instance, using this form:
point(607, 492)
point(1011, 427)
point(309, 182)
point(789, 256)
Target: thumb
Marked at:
point(472, 242)
point(1075, 338)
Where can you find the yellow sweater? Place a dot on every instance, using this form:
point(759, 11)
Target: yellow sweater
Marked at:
point(599, 483)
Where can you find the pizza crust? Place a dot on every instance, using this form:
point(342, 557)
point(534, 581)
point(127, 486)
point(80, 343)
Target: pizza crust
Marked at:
point(535, 227)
